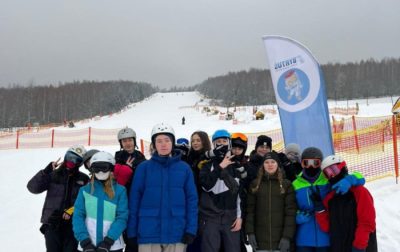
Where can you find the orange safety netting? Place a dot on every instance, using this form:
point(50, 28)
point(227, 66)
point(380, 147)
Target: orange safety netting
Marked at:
point(368, 144)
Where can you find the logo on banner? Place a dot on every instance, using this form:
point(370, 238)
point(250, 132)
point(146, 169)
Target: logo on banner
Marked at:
point(294, 92)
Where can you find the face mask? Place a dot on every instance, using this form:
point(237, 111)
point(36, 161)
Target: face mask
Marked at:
point(102, 175)
point(70, 165)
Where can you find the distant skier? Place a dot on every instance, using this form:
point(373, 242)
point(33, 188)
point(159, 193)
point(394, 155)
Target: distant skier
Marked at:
point(183, 120)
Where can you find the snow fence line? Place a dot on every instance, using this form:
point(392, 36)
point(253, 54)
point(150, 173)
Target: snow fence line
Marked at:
point(368, 144)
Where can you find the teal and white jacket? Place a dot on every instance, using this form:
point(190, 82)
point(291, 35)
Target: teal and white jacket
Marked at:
point(97, 216)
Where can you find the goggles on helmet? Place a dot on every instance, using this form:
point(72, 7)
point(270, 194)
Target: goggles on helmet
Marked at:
point(241, 136)
point(72, 157)
point(333, 170)
point(101, 167)
point(314, 163)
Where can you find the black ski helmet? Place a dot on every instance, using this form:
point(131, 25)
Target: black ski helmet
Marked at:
point(88, 155)
point(312, 153)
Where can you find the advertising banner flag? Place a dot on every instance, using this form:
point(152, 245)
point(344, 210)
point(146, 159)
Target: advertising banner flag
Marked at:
point(300, 94)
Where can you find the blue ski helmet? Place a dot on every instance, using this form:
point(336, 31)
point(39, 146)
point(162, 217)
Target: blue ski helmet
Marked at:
point(220, 134)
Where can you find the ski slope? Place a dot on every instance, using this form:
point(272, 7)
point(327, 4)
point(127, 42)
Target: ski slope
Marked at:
point(21, 210)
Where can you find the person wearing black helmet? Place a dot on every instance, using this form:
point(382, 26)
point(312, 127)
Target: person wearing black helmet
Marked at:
point(311, 187)
point(62, 182)
point(86, 158)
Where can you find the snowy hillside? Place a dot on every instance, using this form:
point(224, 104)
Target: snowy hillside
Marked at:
point(21, 210)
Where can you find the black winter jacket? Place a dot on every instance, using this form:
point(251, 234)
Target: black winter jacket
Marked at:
point(62, 189)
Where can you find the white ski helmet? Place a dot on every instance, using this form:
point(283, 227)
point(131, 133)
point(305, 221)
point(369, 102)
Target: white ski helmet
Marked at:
point(162, 128)
point(102, 156)
point(330, 160)
point(78, 150)
point(126, 133)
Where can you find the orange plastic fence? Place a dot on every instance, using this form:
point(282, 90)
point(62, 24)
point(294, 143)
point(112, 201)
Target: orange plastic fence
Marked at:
point(369, 145)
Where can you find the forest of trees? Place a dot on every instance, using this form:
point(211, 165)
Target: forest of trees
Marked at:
point(71, 101)
point(85, 99)
point(343, 81)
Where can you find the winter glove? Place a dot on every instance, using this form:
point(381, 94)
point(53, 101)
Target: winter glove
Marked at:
point(105, 245)
point(253, 242)
point(316, 199)
point(69, 211)
point(353, 249)
point(283, 159)
point(343, 186)
point(188, 238)
point(87, 245)
point(218, 152)
point(131, 242)
point(284, 245)
point(241, 172)
point(302, 217)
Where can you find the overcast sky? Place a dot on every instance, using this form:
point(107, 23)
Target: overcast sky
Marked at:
point(181, 42)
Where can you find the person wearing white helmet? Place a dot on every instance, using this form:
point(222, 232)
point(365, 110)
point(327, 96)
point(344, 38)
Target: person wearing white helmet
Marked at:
point(348, 218)
point(163, 198)
point(101, 209)
point(62, 182)
point(127, 160)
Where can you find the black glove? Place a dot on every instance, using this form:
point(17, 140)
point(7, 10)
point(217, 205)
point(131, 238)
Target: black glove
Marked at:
point(87, 245)
point(241, 172)
point(316, 199)
point(131, 242)
point(188, 238)
point(105, 245)
point(283, 159)
point(253, 242)
point(218, 152)
point(284, 245)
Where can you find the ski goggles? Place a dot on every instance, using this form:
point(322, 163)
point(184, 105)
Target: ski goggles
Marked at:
point(101, 167)
point(72, 157)
point(241, 136)
point(333, 170)
point(314, 163)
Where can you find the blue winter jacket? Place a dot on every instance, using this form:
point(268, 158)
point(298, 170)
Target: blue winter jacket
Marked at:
point(162, 201)
point(97, 216)
point(308, 232)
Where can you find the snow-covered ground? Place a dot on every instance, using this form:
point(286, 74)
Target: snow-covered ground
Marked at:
point(21, 210)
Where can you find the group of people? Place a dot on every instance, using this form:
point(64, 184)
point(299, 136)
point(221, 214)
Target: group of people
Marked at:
point(203, 195)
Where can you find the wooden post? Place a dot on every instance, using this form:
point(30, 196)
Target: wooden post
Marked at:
point(90, 136)
point(52, 138)
point(17, 143)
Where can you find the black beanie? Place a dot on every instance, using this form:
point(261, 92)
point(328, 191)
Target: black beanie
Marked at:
point(272, 155)
point(264, 140)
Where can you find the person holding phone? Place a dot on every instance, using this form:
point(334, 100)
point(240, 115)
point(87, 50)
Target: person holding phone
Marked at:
point(220, 212)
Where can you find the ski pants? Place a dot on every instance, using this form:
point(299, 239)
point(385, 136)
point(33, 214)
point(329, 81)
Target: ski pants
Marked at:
point(214, 233)
point(60, 239)
point(176, 247)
